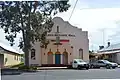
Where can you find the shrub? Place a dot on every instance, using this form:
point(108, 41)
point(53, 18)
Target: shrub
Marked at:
point(33, 68)
point(18, 65)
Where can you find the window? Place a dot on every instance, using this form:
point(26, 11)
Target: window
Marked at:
point(33, 54)
point(100, 62)
point(80, 60)
point(106, 61)
point(75, 61)
point(15, 57)
point(6, 59)
point(80, 53)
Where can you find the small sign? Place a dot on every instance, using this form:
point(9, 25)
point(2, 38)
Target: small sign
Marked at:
point(65, 35)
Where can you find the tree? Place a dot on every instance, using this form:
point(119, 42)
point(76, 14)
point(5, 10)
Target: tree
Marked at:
point(32, 18)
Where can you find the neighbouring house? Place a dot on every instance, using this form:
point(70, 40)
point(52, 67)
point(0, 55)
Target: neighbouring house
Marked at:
point(74, 43)
point(93, 57)
point(9, 56)
point(111, 52)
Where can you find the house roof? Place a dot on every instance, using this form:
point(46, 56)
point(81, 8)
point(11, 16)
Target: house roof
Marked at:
point(113, 47)
point(110, 52)
point(8, 48)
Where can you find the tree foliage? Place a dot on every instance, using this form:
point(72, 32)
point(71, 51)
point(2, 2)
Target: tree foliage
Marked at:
point(32, 18)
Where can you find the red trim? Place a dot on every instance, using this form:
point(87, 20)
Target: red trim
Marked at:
point(62, 40)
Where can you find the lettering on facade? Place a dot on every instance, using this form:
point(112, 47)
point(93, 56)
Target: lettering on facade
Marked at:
point(65, 35)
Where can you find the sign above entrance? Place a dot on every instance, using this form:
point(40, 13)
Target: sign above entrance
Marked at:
point(66, 35)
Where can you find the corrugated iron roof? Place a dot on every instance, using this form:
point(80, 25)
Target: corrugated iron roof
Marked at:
point(9, 48)
point(111, 47)
point(109, 52)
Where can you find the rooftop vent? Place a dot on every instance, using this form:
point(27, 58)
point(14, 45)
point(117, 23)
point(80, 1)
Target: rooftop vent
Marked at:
point(101, 47)
point(108, 44)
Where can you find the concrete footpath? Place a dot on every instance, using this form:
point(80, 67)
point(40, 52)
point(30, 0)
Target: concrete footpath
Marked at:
point(50, 68)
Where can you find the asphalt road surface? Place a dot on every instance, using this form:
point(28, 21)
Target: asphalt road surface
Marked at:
point(64, 74)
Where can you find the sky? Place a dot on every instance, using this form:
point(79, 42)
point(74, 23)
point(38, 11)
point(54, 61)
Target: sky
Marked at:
point(101, 18)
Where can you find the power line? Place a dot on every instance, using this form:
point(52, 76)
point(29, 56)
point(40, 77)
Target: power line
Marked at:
point(73, 10)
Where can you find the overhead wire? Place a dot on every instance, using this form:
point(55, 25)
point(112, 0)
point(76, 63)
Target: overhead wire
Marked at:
point(71, 13)
point(73, 9)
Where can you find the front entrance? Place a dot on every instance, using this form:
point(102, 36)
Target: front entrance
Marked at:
point(65, 57)
point(50, 57)
point(57, 58)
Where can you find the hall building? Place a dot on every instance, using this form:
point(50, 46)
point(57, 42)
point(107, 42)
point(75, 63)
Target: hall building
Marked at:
point(73, 44)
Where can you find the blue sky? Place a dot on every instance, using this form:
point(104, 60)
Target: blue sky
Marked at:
point(100, 3)
point(94, 16)
point(98, 17)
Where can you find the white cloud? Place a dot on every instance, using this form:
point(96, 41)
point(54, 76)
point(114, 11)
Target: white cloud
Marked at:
point(6, 42)
point(93, 20)
point(93, 17)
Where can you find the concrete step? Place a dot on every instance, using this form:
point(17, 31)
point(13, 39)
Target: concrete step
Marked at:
point(49, 68)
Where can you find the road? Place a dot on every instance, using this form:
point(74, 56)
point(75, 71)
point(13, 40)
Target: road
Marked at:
point(64, 74)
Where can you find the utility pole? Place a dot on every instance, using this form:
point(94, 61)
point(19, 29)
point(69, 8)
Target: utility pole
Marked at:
point(104, 37)
point(92, 47)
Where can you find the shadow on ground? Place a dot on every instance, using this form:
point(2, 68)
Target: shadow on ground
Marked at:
point(15, 71)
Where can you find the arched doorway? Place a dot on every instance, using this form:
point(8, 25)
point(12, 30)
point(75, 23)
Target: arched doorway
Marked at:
point(50, 57)
point(33, 51)
point(80, 53)
point(65, 57)
point(57, 57)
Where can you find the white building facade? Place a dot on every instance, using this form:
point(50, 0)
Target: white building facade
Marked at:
point(74, 43)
